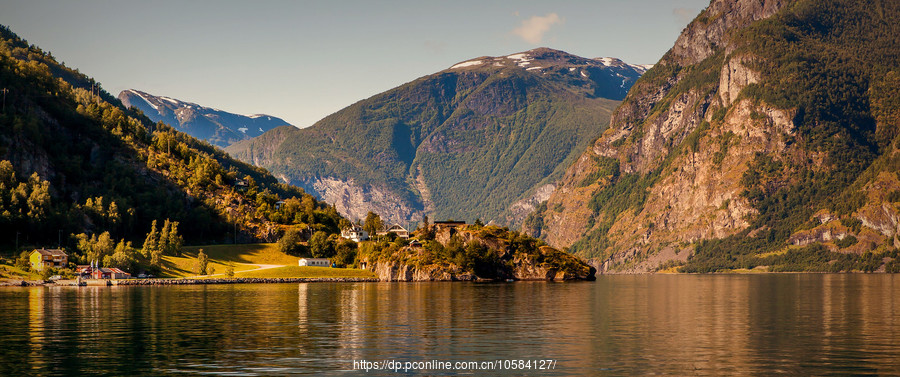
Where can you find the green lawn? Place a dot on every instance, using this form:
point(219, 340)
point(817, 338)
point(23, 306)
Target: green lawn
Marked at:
point(13, 272)
point(261, 253)
point(306, 272)
point(240, 257)
point(183, 266)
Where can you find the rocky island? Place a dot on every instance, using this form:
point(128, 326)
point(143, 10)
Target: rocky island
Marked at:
point(459, 252)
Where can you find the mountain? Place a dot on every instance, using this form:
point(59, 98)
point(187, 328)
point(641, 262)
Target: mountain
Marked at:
point(213, 125)
point(485, 138)
point(766, 138)
point(73, 160)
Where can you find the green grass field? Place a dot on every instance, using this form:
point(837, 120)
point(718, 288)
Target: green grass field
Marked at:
point(261, 253)
point(240, 257)
point(306, 272)
point(13, 272)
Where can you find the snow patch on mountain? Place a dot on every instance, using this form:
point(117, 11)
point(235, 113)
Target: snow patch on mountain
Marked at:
point(211, 124)
point(467, 64)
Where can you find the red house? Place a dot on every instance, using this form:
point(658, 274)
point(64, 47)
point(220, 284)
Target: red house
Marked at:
point(109, 273)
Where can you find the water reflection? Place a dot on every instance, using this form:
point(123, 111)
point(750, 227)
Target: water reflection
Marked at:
point(621, 325)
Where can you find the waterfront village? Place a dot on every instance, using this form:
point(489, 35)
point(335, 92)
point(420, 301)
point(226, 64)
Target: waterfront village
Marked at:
point(57, 260)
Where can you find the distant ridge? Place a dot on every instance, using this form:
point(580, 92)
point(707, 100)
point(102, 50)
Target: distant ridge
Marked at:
point(218, 127)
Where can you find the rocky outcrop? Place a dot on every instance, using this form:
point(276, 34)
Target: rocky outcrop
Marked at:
point(818, 235)
point(387, 271)
point(521, 208)
point(734, 77)
point(519, 262)
point(523, 269)
point(709, 31)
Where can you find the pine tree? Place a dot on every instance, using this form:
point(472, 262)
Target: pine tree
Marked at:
point(151, 243)
point(155, 256)
point(174, 241)
point(164, 236)
point(169, 240)
point(202, 261)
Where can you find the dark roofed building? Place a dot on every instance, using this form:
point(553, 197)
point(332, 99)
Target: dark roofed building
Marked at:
point(450, 223)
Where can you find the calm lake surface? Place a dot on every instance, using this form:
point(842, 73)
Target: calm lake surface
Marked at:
point(619, 325)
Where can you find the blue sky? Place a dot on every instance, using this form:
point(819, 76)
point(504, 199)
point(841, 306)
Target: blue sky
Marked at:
point(303, 60)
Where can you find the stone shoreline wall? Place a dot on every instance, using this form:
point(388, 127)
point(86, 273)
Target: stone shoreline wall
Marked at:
point(190, 281)
point(239, 281)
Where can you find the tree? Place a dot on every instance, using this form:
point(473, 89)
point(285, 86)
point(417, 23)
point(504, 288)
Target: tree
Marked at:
point(344, 224)
point(290, 242)
point(164, 235)
point(373, 223)
point(427, 232)
point(95, 248)
point(46, 273)
point(202, 261)
point(170, 241)
point(320, 245)
point(155, 258)
point(122, 258)
point(345, 253)
point(39, 200)
point(151, 243)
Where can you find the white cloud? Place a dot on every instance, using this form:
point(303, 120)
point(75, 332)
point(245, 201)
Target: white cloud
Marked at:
point(533, 29)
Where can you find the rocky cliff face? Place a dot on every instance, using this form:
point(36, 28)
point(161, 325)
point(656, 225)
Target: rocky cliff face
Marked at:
point(702, 146)
point(355, 201)
point(653, 123)
point(710, 31)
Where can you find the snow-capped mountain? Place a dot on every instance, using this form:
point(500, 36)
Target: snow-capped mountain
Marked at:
point(485, 138)
point(608, 77)
point(218, 127)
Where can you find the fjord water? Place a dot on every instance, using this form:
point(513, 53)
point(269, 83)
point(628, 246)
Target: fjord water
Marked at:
point(619, 325)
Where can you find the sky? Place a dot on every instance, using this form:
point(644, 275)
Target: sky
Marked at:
point(303, 60)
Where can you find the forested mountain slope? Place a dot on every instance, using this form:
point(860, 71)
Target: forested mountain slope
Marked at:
point(485, 138)
point(74, 160)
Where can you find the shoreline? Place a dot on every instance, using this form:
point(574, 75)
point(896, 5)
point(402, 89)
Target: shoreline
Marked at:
point(173, 281)
point(183, 281)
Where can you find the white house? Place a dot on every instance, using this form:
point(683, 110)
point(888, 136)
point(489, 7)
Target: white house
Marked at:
point(319, 262)
point(396, 229)
point(355, 233)
point(400, 231)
